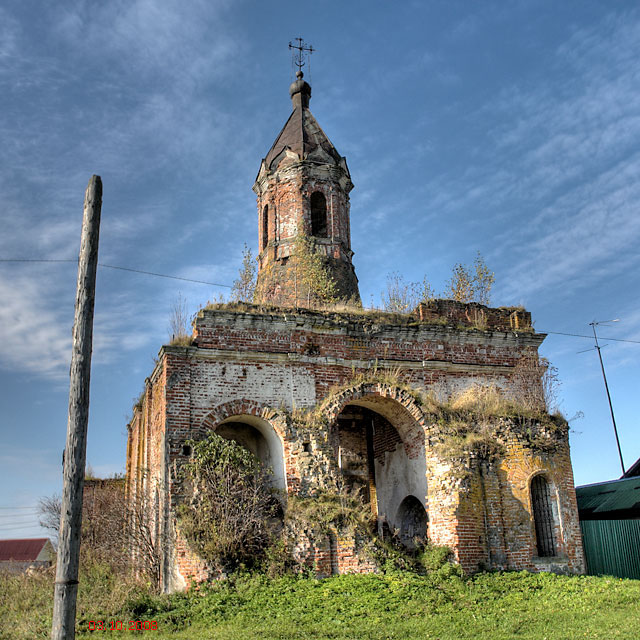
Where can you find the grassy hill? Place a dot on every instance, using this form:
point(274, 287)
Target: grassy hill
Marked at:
point(441, 605)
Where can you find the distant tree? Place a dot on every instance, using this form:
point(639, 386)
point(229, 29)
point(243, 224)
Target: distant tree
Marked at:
point(245, 286)
point(114, 527)
point(49, 509)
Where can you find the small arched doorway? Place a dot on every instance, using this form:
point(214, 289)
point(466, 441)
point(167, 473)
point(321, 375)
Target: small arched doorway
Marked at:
point(413, 521)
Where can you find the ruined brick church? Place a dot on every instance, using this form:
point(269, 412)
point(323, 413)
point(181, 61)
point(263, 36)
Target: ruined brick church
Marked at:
point(251, 372)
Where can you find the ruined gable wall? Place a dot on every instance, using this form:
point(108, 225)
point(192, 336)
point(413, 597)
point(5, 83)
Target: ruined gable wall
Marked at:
point(485, 513)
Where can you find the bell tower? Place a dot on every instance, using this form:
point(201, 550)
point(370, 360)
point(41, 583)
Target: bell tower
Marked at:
point(302, 191)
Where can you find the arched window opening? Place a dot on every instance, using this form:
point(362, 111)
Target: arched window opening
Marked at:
point(413, 520)
point(265, 227)
point(543, 517)
point(318, 215)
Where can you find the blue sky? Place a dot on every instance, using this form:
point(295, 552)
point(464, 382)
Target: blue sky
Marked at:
point(512, 129)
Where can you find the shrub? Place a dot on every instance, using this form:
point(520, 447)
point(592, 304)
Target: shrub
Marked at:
point(330, 509)
point(229, 510)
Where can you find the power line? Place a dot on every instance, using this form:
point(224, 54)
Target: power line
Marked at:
point(112, 266)
point(579, 335)
point(162, 275)
point(34, 507)
point(218, 284)
point(25, 526)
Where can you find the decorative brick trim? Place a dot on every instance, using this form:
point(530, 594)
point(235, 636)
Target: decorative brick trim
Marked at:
point(244, 407)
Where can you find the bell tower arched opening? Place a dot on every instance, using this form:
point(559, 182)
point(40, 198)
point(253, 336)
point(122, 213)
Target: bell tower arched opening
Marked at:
point(265, 227)
point(319, 226)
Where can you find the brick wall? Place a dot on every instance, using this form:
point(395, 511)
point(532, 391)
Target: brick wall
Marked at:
point(260, 368)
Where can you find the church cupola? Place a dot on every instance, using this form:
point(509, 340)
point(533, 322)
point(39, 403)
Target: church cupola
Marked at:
point(302, 192)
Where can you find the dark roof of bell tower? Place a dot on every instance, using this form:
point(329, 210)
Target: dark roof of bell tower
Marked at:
point(301, 133)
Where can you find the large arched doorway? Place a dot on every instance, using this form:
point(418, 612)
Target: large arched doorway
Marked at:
point(258, 436)
point(374, 462)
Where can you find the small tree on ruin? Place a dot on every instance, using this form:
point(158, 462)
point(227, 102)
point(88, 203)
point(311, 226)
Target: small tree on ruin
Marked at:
point(401, 296)
point(460, 286)
point(312, 279)
point(245, 285)
point(179, 322)
point(483, 279)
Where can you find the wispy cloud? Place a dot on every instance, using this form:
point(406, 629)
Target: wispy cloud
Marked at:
point(125, 95)
point(561, 158)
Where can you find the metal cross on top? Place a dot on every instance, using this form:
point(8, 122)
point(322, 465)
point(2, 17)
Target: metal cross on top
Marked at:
point(298, 56)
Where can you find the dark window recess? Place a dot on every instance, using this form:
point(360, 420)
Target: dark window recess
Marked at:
point(311, 349)
point(306, 447)
point(543, 517)
point(318, 215)
point(265, 227)
point(186, 450)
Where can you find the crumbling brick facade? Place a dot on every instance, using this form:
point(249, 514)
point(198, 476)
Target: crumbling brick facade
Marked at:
point(357, 399)
point(262, 368)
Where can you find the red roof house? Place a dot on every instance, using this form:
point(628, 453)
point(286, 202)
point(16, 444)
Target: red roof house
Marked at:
point(23, 553)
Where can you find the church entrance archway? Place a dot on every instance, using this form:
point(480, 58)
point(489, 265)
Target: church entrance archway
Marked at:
point(374, 461)
point(257, 436)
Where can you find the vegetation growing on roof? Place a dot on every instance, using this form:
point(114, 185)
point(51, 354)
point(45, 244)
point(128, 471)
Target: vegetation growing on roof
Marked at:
point(466, 284)
point(245, 285)
point(345, 312)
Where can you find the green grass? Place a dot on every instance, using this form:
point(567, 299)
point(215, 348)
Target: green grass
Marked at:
point(441, 606)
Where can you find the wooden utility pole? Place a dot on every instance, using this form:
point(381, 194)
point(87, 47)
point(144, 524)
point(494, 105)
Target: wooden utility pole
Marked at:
point(66, 588)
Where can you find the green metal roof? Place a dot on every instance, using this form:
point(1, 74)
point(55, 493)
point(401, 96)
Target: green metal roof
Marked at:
point(616, 495)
